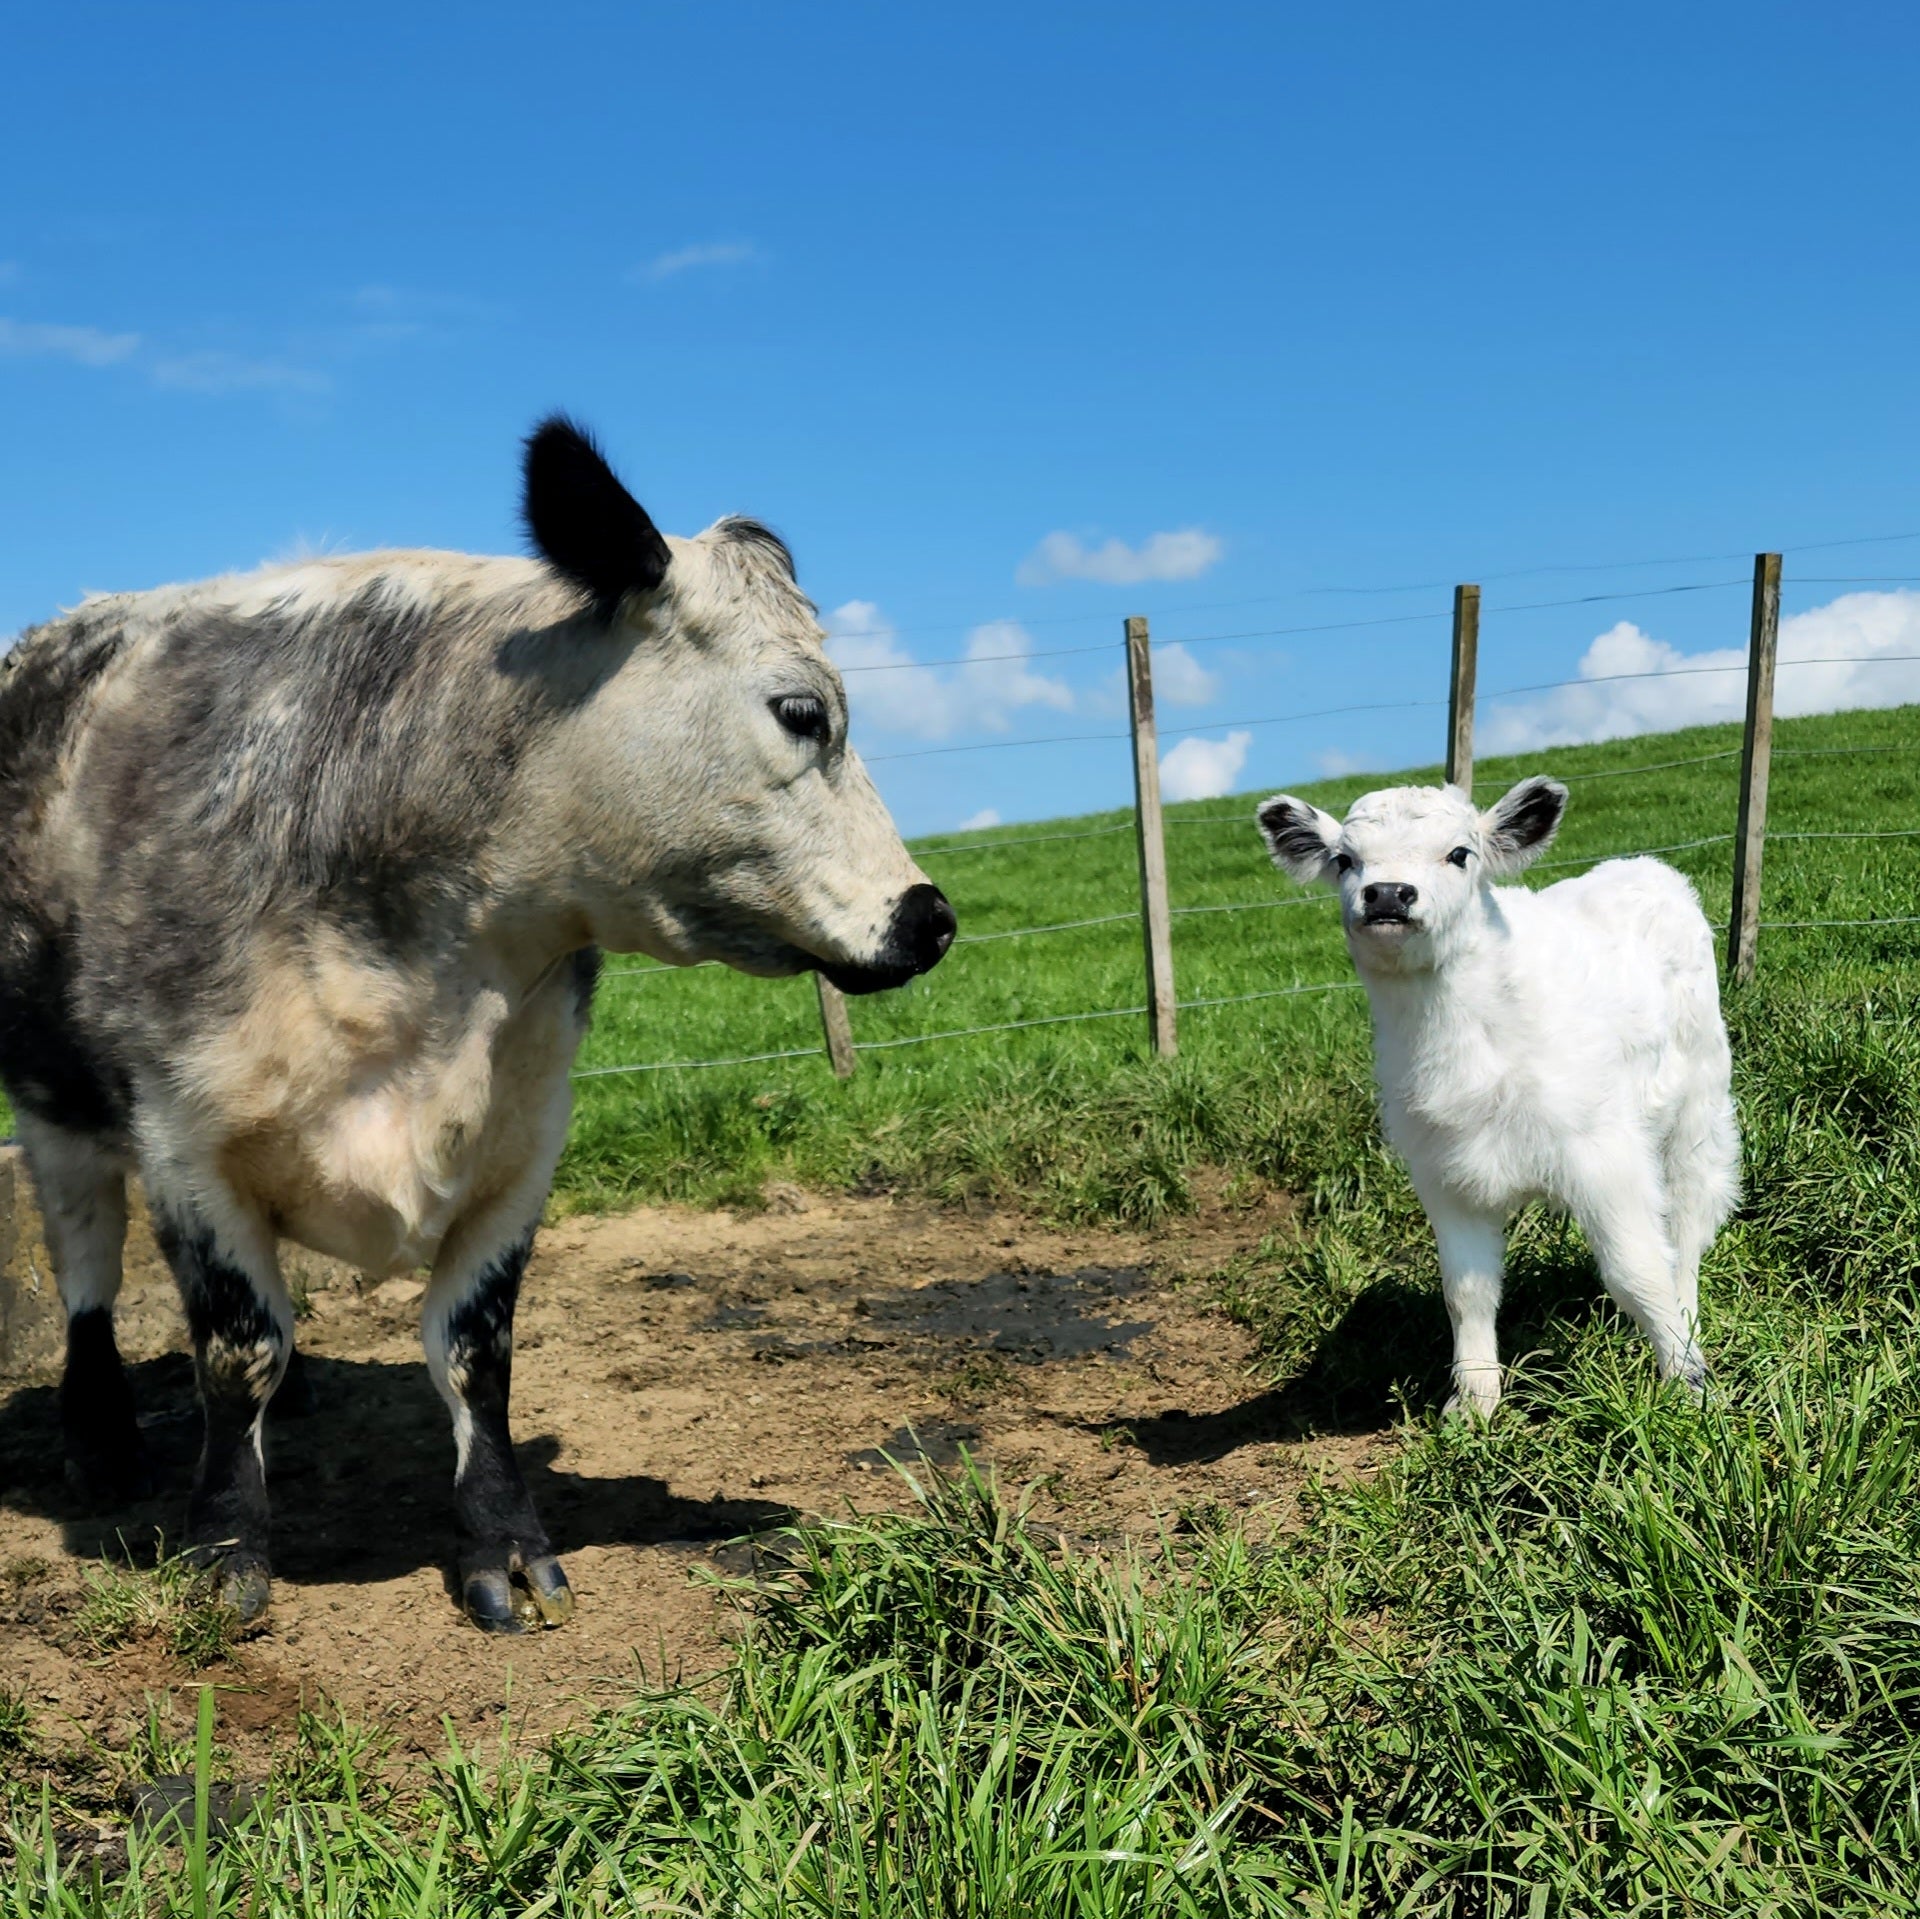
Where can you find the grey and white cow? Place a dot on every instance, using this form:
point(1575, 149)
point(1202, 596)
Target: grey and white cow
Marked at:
point(304, 877)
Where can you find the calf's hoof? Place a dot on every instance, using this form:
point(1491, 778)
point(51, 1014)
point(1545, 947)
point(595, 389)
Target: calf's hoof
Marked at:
point(1691, 1376)
point(1475, 1398)
point(239, 1580)
point(502, 1592)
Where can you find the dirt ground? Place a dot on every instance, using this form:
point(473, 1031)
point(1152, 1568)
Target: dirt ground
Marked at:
point(681, 1379)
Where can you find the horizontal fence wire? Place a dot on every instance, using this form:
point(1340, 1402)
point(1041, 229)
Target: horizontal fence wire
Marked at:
point(673, 1065)
point(1650, 766)
point(967, 1032)
point(1681, 673)
point(1030, 839)
point(1852, 833)
point(1035, 932)
point(1828, 752)
point(1903, 919)
point(1634, 853)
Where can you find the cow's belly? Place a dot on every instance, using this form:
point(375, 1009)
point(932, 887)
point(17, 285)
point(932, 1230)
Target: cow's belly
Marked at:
point(378, 1169)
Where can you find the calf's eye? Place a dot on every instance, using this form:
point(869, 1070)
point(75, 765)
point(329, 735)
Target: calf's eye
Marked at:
point(1460, 856)
point(1343, 862)
point(802, 715)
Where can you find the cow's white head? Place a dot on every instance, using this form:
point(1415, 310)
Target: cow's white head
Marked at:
point(717, 811)
point(1410, 861)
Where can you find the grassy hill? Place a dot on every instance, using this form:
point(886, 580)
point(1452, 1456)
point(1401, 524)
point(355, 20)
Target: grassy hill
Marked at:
point(1614, 1654)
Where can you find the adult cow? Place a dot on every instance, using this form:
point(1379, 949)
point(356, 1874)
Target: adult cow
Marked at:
point(304, 878)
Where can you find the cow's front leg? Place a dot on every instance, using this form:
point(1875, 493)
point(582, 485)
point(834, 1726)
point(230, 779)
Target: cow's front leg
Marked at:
point(242, 1325)
point(509, 1577)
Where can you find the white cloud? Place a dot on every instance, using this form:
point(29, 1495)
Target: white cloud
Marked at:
point(1182, 555)
point(1203, 769)
point(1335, 764)
point(84, 345)
point(982, 694)
point(1856, 627)
point(712, 253)
point(214, 370)
point(1179, 679)
point(977, 822)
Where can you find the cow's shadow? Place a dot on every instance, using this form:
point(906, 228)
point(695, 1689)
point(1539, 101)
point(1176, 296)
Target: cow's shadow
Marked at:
point(1388, 1357)
point(361, 1484)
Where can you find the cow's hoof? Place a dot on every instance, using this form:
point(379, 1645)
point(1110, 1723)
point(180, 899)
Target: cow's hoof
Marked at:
point(242, 1582)
point(106, 1477)
point(1474, 1408)
point(531, 1595)
point(547, 1587)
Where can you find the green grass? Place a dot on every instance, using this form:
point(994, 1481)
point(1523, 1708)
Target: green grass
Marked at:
point(1614, 1654)
point(168, 1602)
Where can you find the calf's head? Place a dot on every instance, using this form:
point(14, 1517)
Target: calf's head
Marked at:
point(1410, 862)
point(712, 807)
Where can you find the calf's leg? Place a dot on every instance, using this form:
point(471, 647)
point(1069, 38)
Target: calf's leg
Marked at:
point(1472, 1245)
point(509, 1577)
point(1625, 1215)
point(242, 1325)
point(81, 1182)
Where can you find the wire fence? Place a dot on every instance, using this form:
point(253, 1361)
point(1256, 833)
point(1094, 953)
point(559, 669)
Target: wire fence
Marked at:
point(1747, 833)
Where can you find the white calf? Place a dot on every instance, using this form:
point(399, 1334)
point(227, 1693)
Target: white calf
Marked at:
point(1563, 1045)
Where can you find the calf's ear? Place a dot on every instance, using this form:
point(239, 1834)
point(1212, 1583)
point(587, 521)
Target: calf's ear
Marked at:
point(1520, 827)
point(1300, 837)
point(584, 523)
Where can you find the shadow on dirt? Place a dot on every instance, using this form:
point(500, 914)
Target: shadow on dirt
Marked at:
point(362, 1485)
point(1388, 1357)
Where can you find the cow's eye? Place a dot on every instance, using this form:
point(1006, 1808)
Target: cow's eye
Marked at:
point(804, 716)
point(1460, 856)
point(1343, 862)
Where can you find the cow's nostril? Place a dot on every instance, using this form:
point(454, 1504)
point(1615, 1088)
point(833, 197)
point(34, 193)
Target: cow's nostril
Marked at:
point(943, 924)
point(1369, 896)
point(1407, 894)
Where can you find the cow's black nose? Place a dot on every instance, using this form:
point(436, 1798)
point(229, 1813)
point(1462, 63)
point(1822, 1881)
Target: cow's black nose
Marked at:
point(1388, 896)
point(923, 926)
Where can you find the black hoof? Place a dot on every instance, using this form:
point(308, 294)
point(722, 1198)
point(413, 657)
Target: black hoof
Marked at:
point(239, 1580)
point(502, 1593)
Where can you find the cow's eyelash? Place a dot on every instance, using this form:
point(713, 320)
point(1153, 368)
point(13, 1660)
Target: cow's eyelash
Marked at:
point(804, 715)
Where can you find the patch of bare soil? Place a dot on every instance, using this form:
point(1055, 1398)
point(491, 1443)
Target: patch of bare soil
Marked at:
point(681, 1379)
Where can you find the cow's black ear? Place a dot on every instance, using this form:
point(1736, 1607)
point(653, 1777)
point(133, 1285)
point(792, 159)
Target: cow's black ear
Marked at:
point(584, 522)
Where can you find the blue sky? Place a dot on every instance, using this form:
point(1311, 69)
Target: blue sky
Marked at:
point(1279, 300)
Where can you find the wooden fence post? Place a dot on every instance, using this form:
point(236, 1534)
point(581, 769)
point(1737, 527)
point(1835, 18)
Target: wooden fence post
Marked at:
point(1756, 753)
point(834, 1023)
point(1155, 919)
point(1466, 664)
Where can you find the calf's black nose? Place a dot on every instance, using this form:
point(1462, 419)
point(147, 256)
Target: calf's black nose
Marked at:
point(1388, 896)
point(923, 926)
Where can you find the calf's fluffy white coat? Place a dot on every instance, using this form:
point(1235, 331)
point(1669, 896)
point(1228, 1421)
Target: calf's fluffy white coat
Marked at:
point(1564, 1045)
